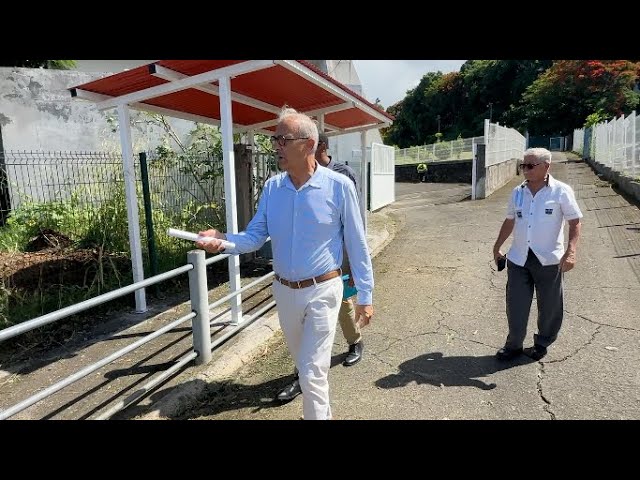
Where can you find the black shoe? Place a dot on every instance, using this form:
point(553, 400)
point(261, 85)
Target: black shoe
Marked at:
point(289, 392)
point(508, 353)
point(536, 352)
point(354, 355)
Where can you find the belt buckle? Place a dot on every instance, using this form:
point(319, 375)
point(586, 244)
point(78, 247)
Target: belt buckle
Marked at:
point(298, 282)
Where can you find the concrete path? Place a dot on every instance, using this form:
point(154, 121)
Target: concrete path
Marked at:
point(440, 319)
point(429, 352)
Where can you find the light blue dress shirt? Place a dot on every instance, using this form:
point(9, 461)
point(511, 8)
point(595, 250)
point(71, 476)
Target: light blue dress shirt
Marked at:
point(307, 227)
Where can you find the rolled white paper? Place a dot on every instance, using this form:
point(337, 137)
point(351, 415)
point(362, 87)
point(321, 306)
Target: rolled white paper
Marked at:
point(194, 237)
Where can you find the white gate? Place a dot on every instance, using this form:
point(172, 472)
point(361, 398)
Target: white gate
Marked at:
point(383, 176)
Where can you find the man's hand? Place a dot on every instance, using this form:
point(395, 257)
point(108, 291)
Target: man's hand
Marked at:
point(568, 261)
point(497, 253)
point(213, 246)
point(363, 315)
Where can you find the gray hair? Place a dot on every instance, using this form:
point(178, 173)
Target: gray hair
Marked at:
point(542, 154)
point(306, 126)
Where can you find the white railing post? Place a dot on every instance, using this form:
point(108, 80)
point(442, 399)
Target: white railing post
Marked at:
point(199, 296)
point(474, 166)
point(486, 143)
point(364, 178)
point(635, 163)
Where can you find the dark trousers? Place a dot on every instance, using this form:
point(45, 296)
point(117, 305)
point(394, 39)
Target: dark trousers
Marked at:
point(549, 297)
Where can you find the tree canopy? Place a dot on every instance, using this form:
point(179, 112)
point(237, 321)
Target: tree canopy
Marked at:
point(564, 96)
point(53, 64)
point(541, 96)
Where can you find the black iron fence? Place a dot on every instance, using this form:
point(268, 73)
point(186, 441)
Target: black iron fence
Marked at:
point(79, 196)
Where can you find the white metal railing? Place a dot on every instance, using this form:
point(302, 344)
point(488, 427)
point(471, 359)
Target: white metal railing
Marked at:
point(201, 328)
point(578, 140)
point(502, 144)
point(460, 149)
point(615, 143)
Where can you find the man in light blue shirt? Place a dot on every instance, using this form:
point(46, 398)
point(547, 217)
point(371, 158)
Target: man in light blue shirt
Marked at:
point(309, 212)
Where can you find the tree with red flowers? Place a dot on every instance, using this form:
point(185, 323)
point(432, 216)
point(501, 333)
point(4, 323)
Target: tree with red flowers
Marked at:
point(562, 98)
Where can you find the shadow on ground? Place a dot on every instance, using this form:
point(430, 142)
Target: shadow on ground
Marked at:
point(438, 370)
point(219, 397)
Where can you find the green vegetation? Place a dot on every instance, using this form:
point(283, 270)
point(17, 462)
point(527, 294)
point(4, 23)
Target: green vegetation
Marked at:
point(542, 96)
point(52, 64)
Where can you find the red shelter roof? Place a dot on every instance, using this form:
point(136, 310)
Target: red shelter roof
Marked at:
point(259, 88)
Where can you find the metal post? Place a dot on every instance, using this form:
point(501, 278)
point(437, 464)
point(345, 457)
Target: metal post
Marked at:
point(252, 146)
point(487, 127)
point(148, 216)
point(474, 154)
point(199, 296)
point(635, 163)
point(364, 179)
point(133, 218)
point(226, 119)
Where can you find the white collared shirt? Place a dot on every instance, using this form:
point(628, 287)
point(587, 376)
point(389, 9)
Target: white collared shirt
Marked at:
point(539, 221)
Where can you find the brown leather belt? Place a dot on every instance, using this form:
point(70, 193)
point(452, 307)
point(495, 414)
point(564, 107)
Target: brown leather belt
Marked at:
point(310, 281)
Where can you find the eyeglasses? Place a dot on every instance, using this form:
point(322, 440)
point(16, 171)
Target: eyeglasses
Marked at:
point(282, 140)
point(530, 166)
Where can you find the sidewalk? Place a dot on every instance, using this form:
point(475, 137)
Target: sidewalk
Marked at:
point(429, 351)
point(241, 350)
point(440, 318)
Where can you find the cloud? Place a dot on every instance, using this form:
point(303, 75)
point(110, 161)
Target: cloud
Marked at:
point(389, 80)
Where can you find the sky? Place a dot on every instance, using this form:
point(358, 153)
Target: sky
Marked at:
point(389, 80)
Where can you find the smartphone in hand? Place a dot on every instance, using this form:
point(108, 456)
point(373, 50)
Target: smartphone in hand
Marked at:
point(502, 262)
point(348, 291)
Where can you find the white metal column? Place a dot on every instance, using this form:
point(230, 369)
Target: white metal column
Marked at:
point(226, 120)
point(363, 178)
point(474, 169)
point(133, 218)
point(252, 149)
point(487, 153)
point(635, 164)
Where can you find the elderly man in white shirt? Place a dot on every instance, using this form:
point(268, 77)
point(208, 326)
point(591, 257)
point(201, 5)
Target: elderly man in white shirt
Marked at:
point(537, 258)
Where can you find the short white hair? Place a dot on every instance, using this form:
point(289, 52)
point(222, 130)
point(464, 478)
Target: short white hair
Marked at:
point(306, 126)
point(542, 154)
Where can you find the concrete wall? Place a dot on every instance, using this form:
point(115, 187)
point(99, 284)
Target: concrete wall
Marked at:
point(453, 171)
point(629, 185)
point(38, 113)
point(499, 175)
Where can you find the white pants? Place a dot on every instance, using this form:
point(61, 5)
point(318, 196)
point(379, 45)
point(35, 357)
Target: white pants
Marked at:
point(308, 318)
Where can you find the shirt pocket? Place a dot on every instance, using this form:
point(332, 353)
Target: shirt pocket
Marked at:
point(550, 211)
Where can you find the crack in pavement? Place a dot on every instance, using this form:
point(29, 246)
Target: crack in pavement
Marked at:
point(585, 287)
point(547, 403)
point(585, 345)
point(602, 324)
point(464, 339)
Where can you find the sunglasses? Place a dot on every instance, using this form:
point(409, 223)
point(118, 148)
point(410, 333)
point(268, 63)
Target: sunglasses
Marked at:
point(282, 140)
point(530, 166)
